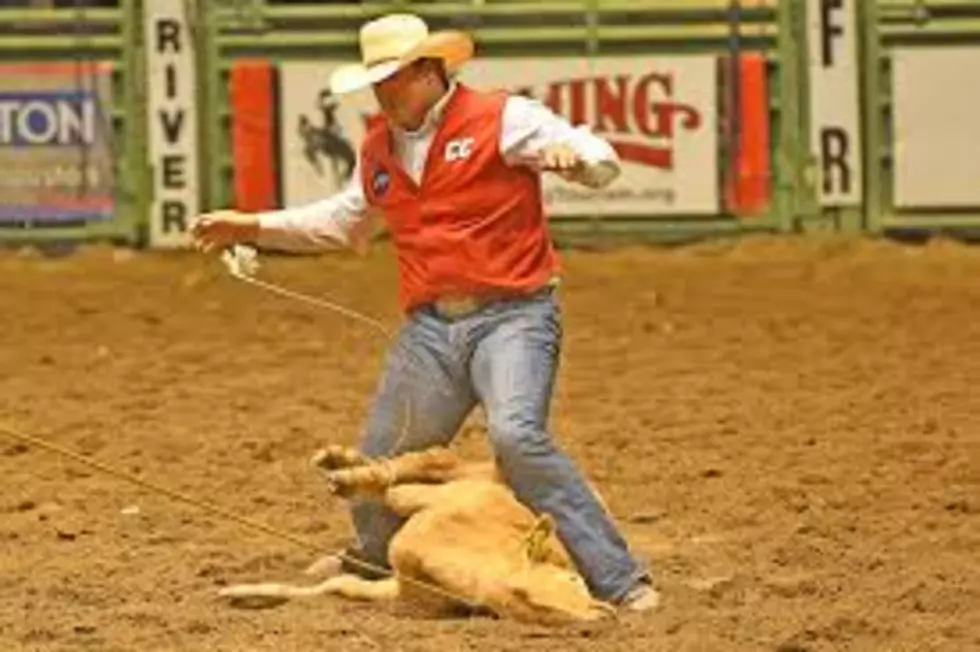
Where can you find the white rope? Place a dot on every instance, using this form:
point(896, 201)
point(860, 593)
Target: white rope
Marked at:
point(243, 263)
point(224, 513)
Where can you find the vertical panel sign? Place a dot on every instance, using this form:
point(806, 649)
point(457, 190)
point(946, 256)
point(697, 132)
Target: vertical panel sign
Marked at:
point(55, 143)
point(835, 126)
point(172, 121)
point(659, 113)
point(937, 133)
point(320, 133)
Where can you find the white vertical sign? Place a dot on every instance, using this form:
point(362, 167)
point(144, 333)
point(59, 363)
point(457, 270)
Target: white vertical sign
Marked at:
point(172, 121)
point(320, 133)
point(835, 108)
point(936, 127)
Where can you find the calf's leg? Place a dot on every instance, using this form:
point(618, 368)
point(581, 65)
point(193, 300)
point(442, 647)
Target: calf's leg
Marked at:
point(436, 465)
point(270, 594)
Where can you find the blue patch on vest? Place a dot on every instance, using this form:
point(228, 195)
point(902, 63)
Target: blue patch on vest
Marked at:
point(380, 182)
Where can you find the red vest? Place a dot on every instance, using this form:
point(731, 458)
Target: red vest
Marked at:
point(475, 225)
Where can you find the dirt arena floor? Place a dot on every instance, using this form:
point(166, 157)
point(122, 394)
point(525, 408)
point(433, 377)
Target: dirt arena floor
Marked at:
point(787, 429)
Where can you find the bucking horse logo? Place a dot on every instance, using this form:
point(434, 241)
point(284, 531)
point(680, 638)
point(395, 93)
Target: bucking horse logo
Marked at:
point(327, 141)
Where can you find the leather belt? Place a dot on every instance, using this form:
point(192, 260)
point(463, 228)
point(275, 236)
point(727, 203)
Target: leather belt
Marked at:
point(458, 306)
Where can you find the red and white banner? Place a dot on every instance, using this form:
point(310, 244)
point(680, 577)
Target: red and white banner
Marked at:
point(660, 113)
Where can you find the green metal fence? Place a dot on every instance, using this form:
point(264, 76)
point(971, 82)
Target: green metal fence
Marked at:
point(91, 35)
point(588, 28)
point(225, 30)
point(896, 23)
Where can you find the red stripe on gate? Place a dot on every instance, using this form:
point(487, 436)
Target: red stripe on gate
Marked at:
point(749, 192)
point(253, 134)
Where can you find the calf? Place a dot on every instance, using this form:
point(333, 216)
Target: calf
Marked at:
point(467, 542)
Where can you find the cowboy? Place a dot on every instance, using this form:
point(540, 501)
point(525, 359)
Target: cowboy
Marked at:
point(456, 173)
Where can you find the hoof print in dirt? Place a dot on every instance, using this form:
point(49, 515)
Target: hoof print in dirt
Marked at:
point(16, 449)
point(651, 516)
point(793, 647)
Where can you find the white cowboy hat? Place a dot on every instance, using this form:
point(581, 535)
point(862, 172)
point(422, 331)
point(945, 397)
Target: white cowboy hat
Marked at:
point(390, 43)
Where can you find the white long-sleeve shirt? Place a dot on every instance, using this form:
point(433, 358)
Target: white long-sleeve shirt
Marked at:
point(528, 126)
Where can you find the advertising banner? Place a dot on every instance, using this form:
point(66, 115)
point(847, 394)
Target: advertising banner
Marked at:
point(55, 143)
point(659, 113)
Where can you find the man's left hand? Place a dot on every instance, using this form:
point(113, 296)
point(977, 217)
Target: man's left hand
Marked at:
point(560, 159)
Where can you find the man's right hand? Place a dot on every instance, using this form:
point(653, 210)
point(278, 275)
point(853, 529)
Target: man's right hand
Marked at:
point(220, 229)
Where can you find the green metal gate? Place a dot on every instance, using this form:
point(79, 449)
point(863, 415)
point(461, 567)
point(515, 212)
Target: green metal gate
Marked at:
point(589, 28)
point(225, 30)
point(890, 24)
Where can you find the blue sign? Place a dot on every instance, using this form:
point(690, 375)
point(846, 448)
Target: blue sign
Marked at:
point(55, 143)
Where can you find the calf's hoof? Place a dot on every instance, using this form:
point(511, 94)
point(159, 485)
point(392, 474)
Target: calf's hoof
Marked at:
point(335, 457)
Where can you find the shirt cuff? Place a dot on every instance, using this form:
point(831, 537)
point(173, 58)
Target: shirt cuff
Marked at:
point(290, 229)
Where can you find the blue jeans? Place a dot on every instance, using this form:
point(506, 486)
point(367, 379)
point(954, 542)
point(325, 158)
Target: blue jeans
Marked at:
point(505, 356)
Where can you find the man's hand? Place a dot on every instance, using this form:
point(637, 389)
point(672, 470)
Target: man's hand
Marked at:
point(220, 229)
point(562, 160)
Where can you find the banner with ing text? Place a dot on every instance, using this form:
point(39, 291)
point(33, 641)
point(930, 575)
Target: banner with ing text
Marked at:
point(659, 113)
